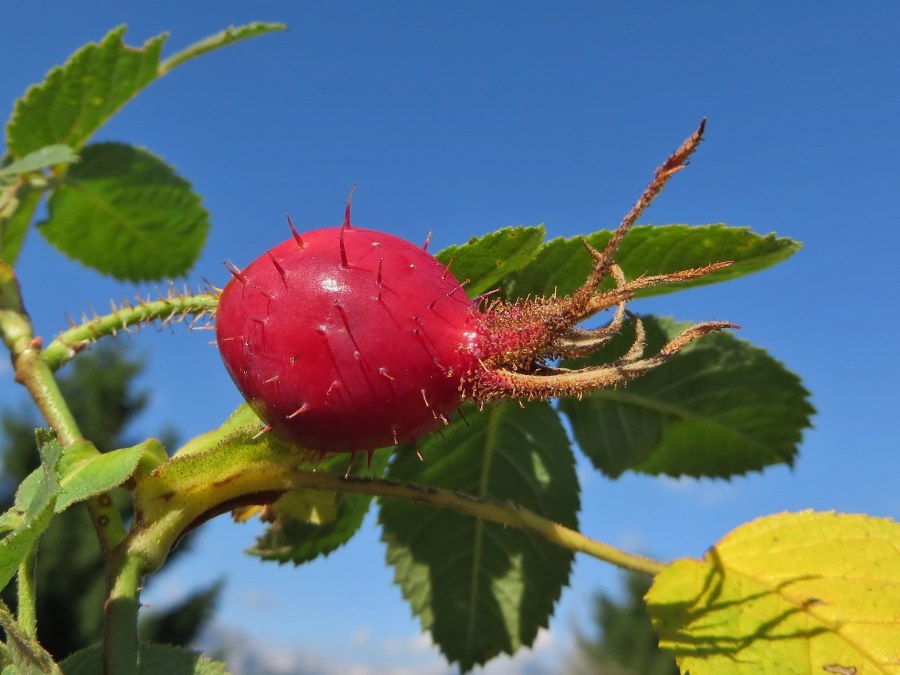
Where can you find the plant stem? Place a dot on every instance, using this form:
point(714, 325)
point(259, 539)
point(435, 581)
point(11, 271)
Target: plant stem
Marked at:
point(32, 372)
point(27, 614)
point(120, 638)
point(509, 514)
point(175, 307)
point(35, 374)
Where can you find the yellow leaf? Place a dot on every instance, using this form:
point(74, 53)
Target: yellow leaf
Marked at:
point(792, 593)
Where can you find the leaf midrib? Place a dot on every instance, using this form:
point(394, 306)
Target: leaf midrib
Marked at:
point(490, 444)
point(107, 206)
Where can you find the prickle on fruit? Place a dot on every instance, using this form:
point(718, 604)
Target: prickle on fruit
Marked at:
point(346, 339)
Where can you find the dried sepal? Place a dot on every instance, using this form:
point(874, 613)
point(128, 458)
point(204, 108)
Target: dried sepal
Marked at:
point(518, 339)
point(547, 382)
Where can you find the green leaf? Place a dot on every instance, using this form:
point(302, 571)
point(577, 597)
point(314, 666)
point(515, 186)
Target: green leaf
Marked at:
point(792, 593)
point(310, 523)
point(228, 36)
point(36, 509)
point(153, 660)
point(40, 159)
point(563, 264)
point(77, 98)
point(88, 474)
point(26, 652)
point(126, 213)
point(486, 261)
point(17, 208)
point(721, 407)
point(479, 588)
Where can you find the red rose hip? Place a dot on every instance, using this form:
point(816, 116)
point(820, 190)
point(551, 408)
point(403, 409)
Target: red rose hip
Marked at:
point(347, 339)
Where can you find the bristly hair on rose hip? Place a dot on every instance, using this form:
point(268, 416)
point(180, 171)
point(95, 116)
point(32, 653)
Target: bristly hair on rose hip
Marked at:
point(345, 339)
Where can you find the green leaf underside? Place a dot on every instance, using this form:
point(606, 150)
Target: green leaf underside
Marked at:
point(153, 659)
point(84, 474)
point(720, 408)
point(27, 655)
point(486, 261)
point(316, 522)
point(95, 474)
point(797, 592)
point(124, 212)
point(35, 512)
point(77, 98)
point(479, 588)
point(562, 265)
point(40, 159)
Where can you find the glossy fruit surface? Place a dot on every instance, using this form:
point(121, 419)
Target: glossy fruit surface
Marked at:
point(347, 339)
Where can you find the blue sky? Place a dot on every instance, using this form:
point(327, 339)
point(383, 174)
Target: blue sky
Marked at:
point(464, 117)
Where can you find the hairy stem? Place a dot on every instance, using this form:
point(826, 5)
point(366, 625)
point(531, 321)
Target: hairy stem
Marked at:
point(36, 375)
point(171, 308)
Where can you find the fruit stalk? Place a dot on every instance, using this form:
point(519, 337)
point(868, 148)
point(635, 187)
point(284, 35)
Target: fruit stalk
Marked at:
point(183, 494)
